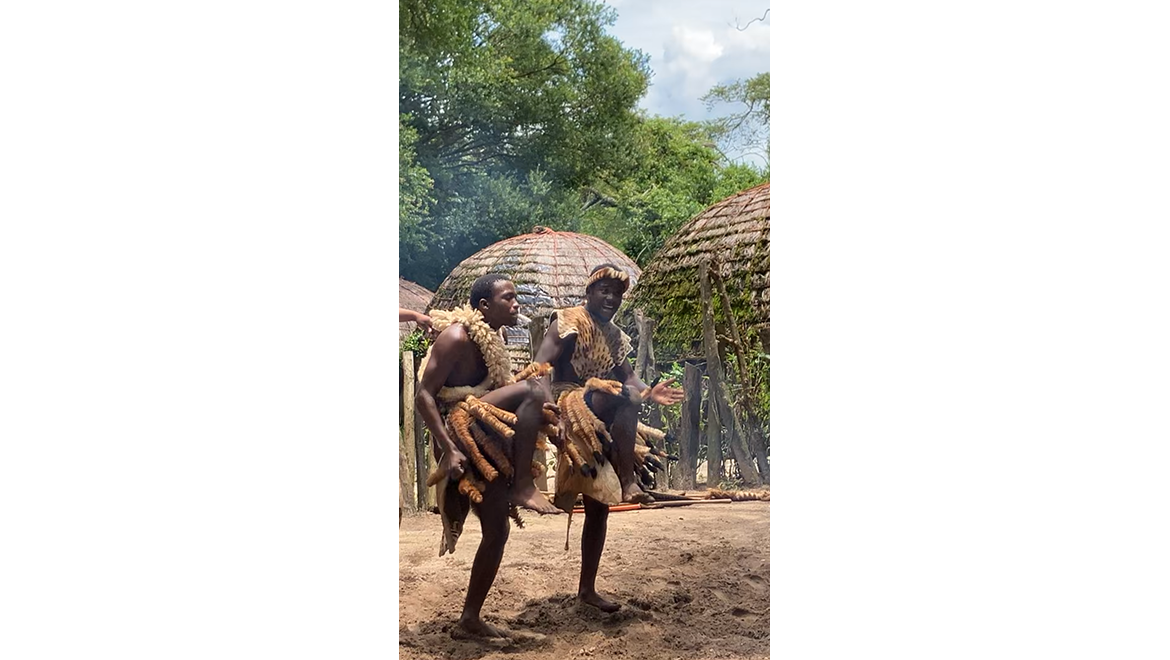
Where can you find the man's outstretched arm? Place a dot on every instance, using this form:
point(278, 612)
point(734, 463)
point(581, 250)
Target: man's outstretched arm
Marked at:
point(411, 316)
point(662, 393)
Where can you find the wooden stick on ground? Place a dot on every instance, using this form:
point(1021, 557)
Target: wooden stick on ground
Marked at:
point(686, 503)
point(617, 507)
point(667, 497)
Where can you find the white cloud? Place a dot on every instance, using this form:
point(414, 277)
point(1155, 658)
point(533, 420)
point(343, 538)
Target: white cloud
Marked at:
point(693, 45)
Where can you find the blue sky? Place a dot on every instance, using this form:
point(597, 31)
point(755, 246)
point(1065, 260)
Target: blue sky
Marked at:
point(693, 45)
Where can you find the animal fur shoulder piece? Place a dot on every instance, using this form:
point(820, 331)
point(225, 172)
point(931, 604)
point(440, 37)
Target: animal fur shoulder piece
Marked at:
point(599, 346)
point(490, 344)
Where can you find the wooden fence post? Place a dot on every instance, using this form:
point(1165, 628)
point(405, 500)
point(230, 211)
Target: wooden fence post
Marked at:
point(688, 435)
point(645, 369)
point(405, 478)
point(408, 441)
point(425, 460)
point(642, 356)
point(718, 393)
point(536, 329)
point(650, 372)
point(751, 426)
point(714, 450)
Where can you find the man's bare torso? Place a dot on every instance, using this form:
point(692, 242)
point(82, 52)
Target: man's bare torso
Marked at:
point(468, 364)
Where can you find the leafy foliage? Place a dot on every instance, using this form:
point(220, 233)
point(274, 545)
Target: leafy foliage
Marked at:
point(415, 342)
point(516, 105)
point(516, 113)
point(414, 188)
point(672, 176)
point(744, 131)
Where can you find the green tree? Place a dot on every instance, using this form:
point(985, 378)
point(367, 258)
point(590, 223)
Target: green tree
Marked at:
point(670, 175)
point(515, 114)
point(674, 173)
point(516, 105)
point(414, 189)
point(744, 131)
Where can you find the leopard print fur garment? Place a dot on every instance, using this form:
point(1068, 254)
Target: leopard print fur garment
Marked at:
point(599, 346)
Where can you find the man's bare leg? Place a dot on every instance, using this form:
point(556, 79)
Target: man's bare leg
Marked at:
point(528, 404)
point(592, 543)
point(622, 417)
point(493, 521)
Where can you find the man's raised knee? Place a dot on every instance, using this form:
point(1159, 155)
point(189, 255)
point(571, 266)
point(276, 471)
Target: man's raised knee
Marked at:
point(537, 393)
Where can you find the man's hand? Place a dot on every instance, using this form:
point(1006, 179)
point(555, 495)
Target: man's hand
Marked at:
point(562, 434)
point(424, 322)
point(665, 395)
point(559, 440)
point(455, 464)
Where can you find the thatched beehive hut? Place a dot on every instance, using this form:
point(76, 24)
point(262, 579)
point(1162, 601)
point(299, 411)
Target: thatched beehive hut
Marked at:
point(414, 297)
point(734, 235)
point(549, 269)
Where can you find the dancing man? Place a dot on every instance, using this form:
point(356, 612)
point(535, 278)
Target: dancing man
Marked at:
point(599, 397)
point(484, 426)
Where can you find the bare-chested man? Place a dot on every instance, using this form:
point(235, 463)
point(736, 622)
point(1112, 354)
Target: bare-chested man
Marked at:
point(466, 398)
point(588, 353)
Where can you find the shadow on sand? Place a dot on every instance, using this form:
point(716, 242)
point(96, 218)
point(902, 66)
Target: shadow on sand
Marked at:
point(534, 627)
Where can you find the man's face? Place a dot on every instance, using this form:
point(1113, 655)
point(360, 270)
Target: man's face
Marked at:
point(501, 308)
point(604, 298)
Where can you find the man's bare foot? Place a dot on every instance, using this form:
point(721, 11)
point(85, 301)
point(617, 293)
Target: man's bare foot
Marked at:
point(531, 498)
point(635, 495)
point(595, 599)
point(476, 628)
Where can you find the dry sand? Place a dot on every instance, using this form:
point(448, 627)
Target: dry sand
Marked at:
point(693, 583)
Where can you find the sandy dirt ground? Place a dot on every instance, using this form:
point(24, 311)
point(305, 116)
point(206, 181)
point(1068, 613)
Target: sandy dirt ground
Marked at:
point(692, 581)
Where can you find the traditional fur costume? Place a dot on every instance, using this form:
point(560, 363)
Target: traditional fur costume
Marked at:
point(584, 466)
point(483, 431)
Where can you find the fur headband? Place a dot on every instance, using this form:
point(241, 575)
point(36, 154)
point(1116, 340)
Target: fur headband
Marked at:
point(608, 273)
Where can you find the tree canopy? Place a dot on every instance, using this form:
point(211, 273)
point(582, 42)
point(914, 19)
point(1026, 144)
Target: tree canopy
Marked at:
point(514, 113)
point(744, 132)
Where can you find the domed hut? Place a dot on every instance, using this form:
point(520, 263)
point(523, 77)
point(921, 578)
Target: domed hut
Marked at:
point(549, 269)
point(414, 297)
point(733, 235)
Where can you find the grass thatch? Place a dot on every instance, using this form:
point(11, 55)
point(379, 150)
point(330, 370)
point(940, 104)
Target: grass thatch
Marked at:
point(734, 235)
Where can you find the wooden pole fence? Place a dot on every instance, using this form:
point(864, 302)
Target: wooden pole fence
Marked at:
point(536, 329)
point(409, 446)
point(718, 393)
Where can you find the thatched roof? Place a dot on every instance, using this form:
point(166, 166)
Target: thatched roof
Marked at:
point(549, 269)
point(733, 234)
point(413, 297)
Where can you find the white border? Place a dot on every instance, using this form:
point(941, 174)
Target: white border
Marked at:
point(198, 257)
point(970, 330)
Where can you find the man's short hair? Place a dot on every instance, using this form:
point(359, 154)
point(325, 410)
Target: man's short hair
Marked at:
point(607, 271)
point(483, 287)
